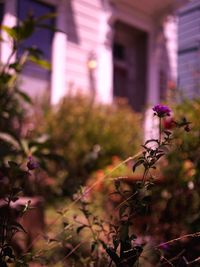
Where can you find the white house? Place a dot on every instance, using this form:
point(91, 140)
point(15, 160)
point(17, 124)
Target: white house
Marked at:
point(107, 48)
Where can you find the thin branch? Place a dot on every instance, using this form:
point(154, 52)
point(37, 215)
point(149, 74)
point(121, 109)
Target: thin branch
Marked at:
point(191, 262)
point(166, 260)
point(194, 235)
point(89, 189)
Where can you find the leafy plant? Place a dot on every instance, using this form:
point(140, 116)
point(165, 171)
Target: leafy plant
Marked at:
point(136, 200)
point(88, 135)
point(15, 144)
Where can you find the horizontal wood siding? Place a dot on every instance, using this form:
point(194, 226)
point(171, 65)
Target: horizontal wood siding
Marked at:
point(193, 4)
point(189, 28)
point(83, 23)
point(189, 49)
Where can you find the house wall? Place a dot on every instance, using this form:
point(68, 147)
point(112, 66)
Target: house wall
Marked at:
point(128, 14)
point(83, 30)
point(82, 51)
point(189, 49)
point(90, 34)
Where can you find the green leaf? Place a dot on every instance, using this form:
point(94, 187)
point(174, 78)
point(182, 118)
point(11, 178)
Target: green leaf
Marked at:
point(8, 138)
point(168, 133)
point(46, 16)
point(25, 147)
point(40, 62)
point(117, 184)
point(27, 28)
point(51, 28)
point(7, 251)
point(80, 228)
point(93, 246)
point(13, 164)
point(133, 237)
point(138, 163)
point(17, 226)
point(122, 210)
point(151, 141)
point(24, 96)
point(124, 230)
point(16, 190)
point(10, 31)
point(116, 243)
point(16, 66)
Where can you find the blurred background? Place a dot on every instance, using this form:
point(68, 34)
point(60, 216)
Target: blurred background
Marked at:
point(81, 106)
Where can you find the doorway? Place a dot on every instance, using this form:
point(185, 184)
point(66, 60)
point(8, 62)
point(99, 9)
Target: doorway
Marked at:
point(130, 65)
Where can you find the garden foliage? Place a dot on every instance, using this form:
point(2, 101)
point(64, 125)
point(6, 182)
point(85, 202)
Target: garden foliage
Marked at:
point(15, 166)
point(87, 135)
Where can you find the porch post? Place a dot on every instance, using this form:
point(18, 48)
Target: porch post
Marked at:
point(59, 47)
point(105, 61)
point(153, 97)
point(10, 20)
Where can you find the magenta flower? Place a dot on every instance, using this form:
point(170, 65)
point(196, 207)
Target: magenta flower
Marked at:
point(161, 111)
point(32, 164)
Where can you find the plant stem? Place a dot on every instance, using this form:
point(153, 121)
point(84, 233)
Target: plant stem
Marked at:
point(160, 131)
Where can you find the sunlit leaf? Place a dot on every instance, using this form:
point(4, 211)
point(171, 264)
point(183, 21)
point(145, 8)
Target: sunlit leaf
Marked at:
point(46, 17)
point(80, 228)
point(10, 139)
point(40, 62)
point(10, 31)
point(24, 96)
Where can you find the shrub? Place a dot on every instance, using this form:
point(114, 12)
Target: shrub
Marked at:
point(15, 170)
point(87, 135)
point(176, 198)
point(183, 167)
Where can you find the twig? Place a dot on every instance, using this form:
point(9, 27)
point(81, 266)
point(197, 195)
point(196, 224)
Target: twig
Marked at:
point(169, 262)
point(197, 234)
point(191, 262)
point(89, 189)
point(71, 252)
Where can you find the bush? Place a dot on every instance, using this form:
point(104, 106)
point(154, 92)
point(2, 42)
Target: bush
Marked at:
point(87, 135)
point(176, 198)
point(183, 168)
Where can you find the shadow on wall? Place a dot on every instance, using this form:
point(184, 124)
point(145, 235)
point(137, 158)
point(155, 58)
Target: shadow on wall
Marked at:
point(72, 28)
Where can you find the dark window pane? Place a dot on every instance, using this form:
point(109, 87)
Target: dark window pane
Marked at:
point(41, 38)
point(1, 12)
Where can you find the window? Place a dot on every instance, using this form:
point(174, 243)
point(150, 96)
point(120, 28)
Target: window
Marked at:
point(1, 11)
point(129, 64)
point(1, 19)
point(41, 38)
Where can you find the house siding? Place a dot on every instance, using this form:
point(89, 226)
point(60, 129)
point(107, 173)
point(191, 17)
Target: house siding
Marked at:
point(189, 49)
point(83, 24)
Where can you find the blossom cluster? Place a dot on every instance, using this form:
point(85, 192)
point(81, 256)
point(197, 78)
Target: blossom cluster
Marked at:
point(161, 111)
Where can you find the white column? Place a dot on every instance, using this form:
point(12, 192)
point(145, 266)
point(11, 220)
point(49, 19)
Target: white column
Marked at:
point(59, 49)
point(10, 20)
point(171, 33)
point(105, 61)
point(153, 87)
point(153, 96)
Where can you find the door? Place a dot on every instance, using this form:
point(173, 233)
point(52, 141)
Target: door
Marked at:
point(129, 65)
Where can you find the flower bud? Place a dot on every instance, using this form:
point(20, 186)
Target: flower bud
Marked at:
point(32, 164)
